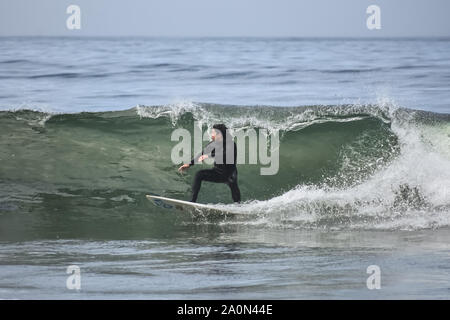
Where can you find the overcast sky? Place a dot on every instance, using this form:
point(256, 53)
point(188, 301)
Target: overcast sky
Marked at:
point(273, 18)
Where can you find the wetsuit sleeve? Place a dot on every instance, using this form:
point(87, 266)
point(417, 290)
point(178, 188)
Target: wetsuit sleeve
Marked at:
point(208, 150)
point(193, 160)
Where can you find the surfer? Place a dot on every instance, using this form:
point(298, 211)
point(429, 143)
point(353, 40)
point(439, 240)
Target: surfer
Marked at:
point(224, 170)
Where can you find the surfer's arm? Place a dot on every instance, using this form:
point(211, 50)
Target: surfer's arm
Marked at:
point(199, 158)
point(206, 153)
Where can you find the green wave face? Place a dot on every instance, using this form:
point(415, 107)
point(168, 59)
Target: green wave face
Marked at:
point(104, 161)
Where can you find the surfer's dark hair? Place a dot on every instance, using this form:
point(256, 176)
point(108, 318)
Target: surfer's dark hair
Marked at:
point(222, 128)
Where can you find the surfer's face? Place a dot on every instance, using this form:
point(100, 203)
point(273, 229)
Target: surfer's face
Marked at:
point(215, 134)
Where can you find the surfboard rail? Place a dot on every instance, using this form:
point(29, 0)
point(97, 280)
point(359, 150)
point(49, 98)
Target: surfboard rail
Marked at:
point(187, 206)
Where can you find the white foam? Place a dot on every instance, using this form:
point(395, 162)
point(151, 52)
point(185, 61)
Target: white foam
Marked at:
point(374, 203)
point(272, 119)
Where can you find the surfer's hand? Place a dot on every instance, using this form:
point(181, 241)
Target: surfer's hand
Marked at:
point(183, 167)
point(202, 157)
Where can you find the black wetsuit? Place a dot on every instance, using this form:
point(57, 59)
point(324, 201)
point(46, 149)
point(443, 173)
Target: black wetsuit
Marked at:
point(223, 171)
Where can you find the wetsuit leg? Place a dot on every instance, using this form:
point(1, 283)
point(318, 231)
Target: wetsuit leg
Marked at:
point(205, 175)
point(232, 183)
point(235, 192)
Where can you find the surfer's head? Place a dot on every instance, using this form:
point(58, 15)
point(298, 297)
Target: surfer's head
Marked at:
point(219, 131)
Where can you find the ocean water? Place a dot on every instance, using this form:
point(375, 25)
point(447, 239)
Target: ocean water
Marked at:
point(363, 180)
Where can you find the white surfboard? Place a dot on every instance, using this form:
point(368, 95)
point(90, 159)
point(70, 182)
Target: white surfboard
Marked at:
point(187, 206)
